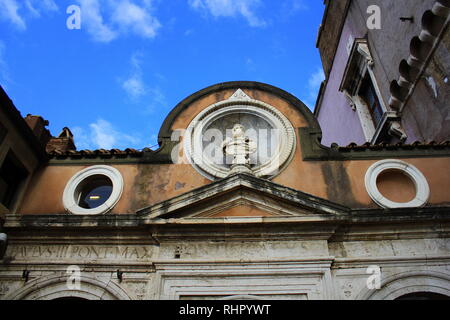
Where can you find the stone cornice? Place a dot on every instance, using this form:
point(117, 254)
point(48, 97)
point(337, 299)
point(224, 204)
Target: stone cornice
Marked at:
point(313, 150)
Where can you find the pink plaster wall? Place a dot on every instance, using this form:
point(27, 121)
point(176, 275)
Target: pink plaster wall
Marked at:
point(338, 121)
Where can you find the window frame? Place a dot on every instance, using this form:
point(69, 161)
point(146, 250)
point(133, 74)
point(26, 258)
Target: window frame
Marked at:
point(70, 191)
point(367, 88)
point(415, 175)
point(360, 64)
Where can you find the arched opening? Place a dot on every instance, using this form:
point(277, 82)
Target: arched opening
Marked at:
point(55, 288)
point(411, 285)
point(71, 299)
point(423, 296)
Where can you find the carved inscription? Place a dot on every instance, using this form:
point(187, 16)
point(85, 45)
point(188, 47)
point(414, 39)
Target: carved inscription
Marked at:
point(81, 252)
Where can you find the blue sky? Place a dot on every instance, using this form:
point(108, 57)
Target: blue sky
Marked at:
point(115, 80)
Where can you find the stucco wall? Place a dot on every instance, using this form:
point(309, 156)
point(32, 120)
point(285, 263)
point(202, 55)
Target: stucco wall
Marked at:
point(339, 123)
point(148, 184)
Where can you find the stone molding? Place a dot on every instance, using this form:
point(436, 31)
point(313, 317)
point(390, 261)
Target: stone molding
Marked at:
point(407, 282)
point(305, 277)
point(239, 102)
point(48, 288)
point(313, 150)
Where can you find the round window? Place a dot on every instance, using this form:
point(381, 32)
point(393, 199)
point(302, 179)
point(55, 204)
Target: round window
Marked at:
point(267, 132)
point(94, 190)
point(396, 184)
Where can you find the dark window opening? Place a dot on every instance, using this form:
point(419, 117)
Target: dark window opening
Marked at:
point(71, 299)
point(369, 95)
point(3, 133)
point(94, 191)
point(12, 176)
point(384, 137)
point(423, 296)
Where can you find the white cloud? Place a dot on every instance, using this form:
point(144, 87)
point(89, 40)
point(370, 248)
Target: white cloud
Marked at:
point(157, 99)
point(314, 82)
point(35, 12)
point(250, 65)
point(134, 85)
point(188, 32)
point(103, 135)
point(230, 8)
point(136, 88)
point(9, 11)
point(4, 74)
point(81, 138)
point(107, 20)
point(48, 4)
point(15, 11)
point(104, 20)
point(129, 16)
point(316, 79)
point(290, 7)
point(92, 20)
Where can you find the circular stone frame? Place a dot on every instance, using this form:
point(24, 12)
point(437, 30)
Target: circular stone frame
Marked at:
point(419, 180)
point(69, 201)
point(193, 138)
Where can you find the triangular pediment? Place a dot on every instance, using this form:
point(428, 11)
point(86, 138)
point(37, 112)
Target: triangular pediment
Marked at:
point(242, 210)
point(240, 96)
point(241, 196)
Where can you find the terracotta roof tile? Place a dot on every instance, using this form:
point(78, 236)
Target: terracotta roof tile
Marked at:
point(96, 153)
point(415, 145)
point(117, 153)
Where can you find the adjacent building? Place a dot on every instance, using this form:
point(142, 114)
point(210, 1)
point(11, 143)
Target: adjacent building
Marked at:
point(387, 67)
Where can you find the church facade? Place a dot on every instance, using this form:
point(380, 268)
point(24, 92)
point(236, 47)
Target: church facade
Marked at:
point(241, 200)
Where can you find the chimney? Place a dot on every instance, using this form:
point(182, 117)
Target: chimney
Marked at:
point(38, 126)
point(63, 143)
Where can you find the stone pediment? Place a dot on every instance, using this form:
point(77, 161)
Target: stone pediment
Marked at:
point(243, 196)
point(241, 208)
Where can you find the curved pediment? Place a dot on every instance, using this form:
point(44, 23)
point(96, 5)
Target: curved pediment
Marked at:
point(225, 90)
point(202, 127)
